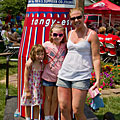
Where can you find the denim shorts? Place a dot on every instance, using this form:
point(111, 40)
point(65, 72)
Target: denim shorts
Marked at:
point(47, 83)
point(81, 84)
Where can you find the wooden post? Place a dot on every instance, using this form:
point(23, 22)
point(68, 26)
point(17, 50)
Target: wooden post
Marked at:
point(80, 3)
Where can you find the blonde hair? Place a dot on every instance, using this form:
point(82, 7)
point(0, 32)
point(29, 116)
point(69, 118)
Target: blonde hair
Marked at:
point(59, 26)
point(102, 30)
point(76, 9)
point(35, 49)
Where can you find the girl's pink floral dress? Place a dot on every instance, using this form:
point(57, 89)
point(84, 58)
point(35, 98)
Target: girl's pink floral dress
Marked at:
point(35, 87)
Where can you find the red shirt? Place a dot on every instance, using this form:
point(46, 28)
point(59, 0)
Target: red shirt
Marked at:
point(102, 40)
point(110, 38)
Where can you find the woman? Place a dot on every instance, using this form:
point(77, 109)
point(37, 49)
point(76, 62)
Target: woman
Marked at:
point(74, 76)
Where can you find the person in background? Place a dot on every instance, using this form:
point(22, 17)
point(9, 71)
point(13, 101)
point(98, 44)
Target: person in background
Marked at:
point(74, 76)
point(19, 19)
point(33, 90)
point(1, 28)
point(12, 20)
point(10, 37)
point(8, 18)
point(111, 38)
point(101, 36)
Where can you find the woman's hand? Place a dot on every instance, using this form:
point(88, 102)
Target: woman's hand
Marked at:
point(96, 85)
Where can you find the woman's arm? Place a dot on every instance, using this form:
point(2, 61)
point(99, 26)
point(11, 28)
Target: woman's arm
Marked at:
point(95, 48)
point(8, 36)
point(12, 38)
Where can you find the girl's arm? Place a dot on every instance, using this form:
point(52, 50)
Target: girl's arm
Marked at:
point(95, 48)
point(29, 63)
point(26, 73)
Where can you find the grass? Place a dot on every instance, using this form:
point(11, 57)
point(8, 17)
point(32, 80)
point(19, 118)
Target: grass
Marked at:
point(112, 104)
point(12, 67)
point(12, 92)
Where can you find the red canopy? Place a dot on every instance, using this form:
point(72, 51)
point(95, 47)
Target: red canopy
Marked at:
point(102, 7)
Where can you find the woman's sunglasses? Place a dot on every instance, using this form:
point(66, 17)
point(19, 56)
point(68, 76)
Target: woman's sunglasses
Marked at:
point(55, 35)
point(78, 17)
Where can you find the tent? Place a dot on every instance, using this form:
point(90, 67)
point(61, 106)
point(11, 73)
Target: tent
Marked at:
point(105, 8)
point(102, 7)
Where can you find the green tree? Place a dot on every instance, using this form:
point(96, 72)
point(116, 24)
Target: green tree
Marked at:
point(13, 6)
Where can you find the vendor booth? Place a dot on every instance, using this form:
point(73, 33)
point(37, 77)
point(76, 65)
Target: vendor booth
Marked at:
point(108, 10)
point(40, 16)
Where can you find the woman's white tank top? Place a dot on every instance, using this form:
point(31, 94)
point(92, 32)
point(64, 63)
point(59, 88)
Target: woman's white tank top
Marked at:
point(77, 64)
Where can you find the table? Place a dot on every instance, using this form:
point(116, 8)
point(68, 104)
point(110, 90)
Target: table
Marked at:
point(7, 72)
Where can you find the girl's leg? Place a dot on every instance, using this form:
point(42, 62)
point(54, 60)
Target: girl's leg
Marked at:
point(48, 100)
point(36, 112)
point(54, 101)
point(27, 111)
point(64, 98)
point(78, 103)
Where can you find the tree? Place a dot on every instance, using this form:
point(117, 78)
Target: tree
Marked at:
point(13, 6)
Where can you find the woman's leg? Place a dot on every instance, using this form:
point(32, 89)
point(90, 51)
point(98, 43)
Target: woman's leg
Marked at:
point(27, 111)
point(54, 101)
point(48, 100)
point(64, 98)
point(78, 103)
point(36, 112)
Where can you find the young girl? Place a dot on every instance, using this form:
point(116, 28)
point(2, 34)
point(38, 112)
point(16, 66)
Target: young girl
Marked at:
point(32, 92)
point(56, 51)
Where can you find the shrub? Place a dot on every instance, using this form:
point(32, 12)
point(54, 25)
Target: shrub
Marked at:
point(109, 76)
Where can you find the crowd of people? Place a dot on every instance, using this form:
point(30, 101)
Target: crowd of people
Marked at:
point(109, 42)
point(109, 38)
point(11, 31)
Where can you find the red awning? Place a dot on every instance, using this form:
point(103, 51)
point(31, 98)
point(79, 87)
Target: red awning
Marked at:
point(102, 7)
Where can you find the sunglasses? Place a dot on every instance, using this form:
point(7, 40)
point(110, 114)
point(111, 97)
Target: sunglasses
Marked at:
point(78, 17)
point(55, 35)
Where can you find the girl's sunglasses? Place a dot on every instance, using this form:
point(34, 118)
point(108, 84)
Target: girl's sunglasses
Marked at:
point(55, 35)
point(78, 17)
